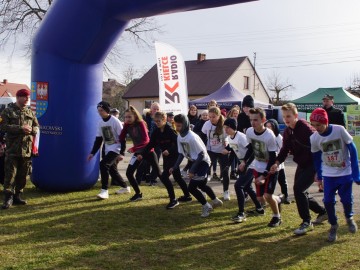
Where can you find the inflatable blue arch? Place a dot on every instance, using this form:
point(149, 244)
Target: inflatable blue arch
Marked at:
point(67, 71)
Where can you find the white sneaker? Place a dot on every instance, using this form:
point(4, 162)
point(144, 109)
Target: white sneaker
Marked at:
point(226, 195)
point(206, 209)
point(216, 203)
point(123, 190)
point(104, 194)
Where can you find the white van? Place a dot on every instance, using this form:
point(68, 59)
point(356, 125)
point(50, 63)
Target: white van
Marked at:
point(5, 101)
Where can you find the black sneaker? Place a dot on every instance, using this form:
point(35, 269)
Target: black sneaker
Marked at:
point(233, 176)
point(256, 212)
point(274, 222)
point(185, 199)
point(287, 200)
point(136, 197)
point(215, 177)
point(172, 204)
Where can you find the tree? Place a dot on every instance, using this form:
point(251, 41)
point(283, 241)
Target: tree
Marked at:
point(19, 19)
point(354, 84)
point(278, 86)
point(113, 91)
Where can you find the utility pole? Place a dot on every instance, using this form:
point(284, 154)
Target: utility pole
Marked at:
point(254, 72)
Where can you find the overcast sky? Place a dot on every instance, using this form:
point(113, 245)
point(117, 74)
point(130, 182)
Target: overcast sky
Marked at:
point(310, 43)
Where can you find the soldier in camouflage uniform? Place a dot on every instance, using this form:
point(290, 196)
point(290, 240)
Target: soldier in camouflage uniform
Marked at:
point(20, 125)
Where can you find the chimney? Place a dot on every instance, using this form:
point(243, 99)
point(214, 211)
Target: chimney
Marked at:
point(201, 57)
point(5, 81)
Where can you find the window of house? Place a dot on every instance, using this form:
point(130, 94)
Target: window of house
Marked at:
point(148, 103)
point(246, 82)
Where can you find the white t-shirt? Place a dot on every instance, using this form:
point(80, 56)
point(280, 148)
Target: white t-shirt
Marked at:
point(239, 144)
point(215, 143)
point(110, 132)
point(335, 154)
point(262, 145)
point(191, 145)
point(279, 143)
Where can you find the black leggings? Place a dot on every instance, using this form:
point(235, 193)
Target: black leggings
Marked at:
point(242, 185)
point(169, 163)
point(283, 183)
point(151, 159)
point(224, 168)
point(194, 187)
point(108, 165)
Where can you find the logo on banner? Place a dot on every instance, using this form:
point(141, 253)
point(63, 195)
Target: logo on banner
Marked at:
point(169, 76)
point(173, 94)
point(39, 98)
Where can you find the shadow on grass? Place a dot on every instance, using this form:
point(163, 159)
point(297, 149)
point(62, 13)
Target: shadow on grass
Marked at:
point(67, 231)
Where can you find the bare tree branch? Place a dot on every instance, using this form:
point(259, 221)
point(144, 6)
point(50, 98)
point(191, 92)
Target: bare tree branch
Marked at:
point(19, 19)
point(278, 86)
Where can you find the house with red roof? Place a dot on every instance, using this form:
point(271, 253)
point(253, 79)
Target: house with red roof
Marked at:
point(204, 76)
point(9, 89)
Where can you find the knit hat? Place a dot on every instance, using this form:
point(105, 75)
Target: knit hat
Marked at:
point(104, 105)
point(248, 101)
point(23, 93)
point(231, 123)
point(319, 115)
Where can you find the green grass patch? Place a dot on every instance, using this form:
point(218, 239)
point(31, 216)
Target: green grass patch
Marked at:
point(77, 231)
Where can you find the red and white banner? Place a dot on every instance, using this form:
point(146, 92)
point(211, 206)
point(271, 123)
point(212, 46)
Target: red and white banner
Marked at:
point(173, 93)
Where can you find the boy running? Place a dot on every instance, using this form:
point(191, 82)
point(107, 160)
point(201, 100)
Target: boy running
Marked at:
point(109, 130)
point(336, 161)
point(263, 143)
point(297, 141)
point(239, 147)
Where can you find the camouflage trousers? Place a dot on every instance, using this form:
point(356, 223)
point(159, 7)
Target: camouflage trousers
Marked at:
point(16, 171)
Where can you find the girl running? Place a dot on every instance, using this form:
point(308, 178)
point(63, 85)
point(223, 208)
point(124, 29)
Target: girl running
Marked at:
point(137, 130)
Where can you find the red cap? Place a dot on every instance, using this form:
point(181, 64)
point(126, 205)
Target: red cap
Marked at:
point(23, 93)
point(319, 115)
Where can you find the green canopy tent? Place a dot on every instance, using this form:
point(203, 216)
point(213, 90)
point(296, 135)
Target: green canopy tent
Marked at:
point(313, 100)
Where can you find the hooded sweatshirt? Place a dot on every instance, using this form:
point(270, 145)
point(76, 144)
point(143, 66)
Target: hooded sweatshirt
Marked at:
point(297, 142)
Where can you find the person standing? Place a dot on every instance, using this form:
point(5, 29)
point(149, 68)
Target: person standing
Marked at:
point(297, 141)
point(336, 161)
point(20, 125)
point(109, 129)
point(243, 120)
point(335, 116)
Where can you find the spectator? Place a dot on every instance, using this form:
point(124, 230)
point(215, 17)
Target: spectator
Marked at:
point(20, 125)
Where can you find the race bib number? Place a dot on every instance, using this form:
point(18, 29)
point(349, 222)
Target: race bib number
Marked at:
point(334, 159)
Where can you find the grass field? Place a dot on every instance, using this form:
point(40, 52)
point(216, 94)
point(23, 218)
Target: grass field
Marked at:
point(77, 231)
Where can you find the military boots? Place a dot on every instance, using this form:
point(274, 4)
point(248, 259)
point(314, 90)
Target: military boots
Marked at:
point(17, 200)
point(8, 200)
